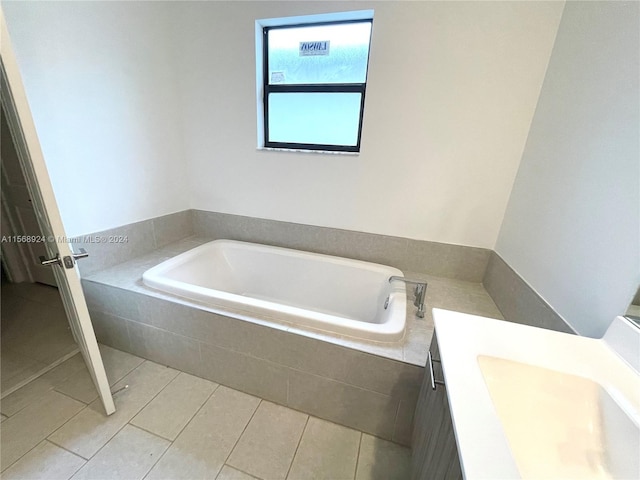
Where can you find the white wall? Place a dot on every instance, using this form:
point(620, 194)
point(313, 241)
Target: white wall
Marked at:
point(145, 108)
point(452, 90)
point(102, 87)
point(572, 226)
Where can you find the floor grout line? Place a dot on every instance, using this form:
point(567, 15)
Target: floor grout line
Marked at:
point(76, 399)
point(185, 425)
point(238, 469)
point(51, 387)
point(39, 373)
point(155, 435)
point(395, 420)
point(171, 442)
point(149, 431)
point(78, 469)
point(25, 406)
point(104, 445)
point(142, 408)
point(240, 436)
point(355, 473)
point(4, 468)
point(306, 423)
point(66, 450)
point(64, 380)
point(183, 428)
point(86, 405)
point(126, 423)
point(106, 416)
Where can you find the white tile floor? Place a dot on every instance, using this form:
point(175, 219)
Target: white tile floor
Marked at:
point(35, 332)
point(171, 425)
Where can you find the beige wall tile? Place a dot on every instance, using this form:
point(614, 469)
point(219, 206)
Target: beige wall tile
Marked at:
point(517, 301)
point(171, 228)
point(115, 301)
point(110, 330)
point(455, 261)
point(165, 347)
point(403, 427)
point(341, 403)
point(243, 372)
point(105, 254)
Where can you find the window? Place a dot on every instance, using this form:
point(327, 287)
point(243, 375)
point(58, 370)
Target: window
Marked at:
point(313, 84)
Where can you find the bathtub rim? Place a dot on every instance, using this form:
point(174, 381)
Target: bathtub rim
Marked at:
point(171, 262)
point(382, 333)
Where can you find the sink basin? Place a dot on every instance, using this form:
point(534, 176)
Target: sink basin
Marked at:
point(560, 425)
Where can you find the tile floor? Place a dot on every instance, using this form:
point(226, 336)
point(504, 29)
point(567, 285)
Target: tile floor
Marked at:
point(171, 425)
point(31, 341)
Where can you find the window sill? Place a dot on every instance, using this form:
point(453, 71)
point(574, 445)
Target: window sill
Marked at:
point(321, 152)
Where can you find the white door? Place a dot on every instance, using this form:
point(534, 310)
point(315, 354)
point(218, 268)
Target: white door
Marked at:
point(22, 129)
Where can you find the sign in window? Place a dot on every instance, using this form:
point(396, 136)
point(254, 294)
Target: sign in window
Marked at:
point(314, 85)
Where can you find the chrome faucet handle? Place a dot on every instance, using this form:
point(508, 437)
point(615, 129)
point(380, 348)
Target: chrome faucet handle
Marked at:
point(419, 292)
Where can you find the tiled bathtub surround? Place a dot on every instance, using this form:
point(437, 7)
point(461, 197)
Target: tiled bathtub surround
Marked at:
point(348, 387)
point(517, 301)
point(359, 384)
point(365, 385)
point(141, 237)
point(439, 259)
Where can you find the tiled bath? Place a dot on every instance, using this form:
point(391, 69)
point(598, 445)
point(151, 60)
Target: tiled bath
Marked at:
point(368, 386)
point(438, 259)
point(516, 300)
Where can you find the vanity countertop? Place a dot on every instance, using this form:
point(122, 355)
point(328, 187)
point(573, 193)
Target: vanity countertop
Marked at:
point(528, 402)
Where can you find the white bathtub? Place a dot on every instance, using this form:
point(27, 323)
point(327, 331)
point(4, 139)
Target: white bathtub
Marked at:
point(338, 295)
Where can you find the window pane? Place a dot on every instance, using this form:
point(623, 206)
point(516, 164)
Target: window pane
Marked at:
point(320, 118)
point(300, 56)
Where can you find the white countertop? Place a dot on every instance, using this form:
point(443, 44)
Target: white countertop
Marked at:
point(486, 449)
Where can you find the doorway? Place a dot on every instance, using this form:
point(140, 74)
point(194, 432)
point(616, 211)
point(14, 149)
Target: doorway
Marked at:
point(34, 330)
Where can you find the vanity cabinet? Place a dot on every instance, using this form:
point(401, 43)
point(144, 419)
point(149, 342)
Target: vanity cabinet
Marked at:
point(435, 455)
